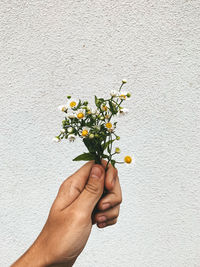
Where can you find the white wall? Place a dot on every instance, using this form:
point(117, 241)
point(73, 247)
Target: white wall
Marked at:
point(50, 49)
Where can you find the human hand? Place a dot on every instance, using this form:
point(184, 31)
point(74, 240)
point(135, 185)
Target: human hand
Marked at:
point(71, 216)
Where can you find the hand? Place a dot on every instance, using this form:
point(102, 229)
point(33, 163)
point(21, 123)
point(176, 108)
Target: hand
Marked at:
point(70, 219)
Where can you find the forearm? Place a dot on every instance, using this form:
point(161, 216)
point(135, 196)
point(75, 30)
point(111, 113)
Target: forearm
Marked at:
point(34, 257)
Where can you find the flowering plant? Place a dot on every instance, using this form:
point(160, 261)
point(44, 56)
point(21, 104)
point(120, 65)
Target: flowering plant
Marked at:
point(94, 126)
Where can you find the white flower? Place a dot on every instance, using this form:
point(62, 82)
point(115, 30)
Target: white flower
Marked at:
point(80, 113)
point(62, 130)
point(71, 115)
point(124, 81)
point(70, 129)
point(56, 139)
point(62, 108)
point(93, 111)
point(114, 93)
point(84, 131)
point(72, 103)
point(108, 114)
point(123, 95)
point(123, 111)
point(71, 137)
point(104, 107)
point(110, 127)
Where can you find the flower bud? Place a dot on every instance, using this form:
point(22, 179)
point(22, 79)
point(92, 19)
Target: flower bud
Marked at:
point(117, 150)
point(88, 108)
point(91, 136)
point(117, 137)
point(124, 81)
point(62, 130)
point(70, 130)
point(128, 95)
point(68, 96)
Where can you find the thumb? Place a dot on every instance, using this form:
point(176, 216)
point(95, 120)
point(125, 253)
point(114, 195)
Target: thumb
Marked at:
point(93, 190)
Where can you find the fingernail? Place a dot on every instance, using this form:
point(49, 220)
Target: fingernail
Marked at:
point(105, 206)
point(96, 172)
point(101, 219)
point(102, 224)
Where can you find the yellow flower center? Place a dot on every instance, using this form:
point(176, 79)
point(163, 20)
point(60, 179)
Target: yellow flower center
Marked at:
point(109, 125)
point(72, 104)
point(123, 96)
point(84, 132)
point(80, 115)
point(128, 159)
point(104, 108)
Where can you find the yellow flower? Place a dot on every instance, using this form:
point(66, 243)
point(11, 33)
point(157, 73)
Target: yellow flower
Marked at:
point(128, 159)
point(109, 125)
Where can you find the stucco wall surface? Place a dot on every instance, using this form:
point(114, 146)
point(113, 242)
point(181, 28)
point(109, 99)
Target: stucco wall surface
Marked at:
point(50, 49)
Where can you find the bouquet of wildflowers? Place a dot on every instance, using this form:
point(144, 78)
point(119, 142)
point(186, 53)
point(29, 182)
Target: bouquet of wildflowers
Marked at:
point(94, 126)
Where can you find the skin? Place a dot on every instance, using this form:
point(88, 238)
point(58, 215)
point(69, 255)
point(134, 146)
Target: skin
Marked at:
point(79, 204)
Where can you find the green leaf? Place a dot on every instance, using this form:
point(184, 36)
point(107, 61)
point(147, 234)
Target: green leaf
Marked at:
point(96, 101)
point(112, 107)
point(79, 104)
point(85, 156)
point(113, 162)
point(89, 143)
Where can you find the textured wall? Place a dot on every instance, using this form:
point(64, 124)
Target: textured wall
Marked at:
point(52, 48)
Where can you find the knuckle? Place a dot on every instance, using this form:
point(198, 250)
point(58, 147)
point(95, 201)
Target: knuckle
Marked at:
point(92, 188)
